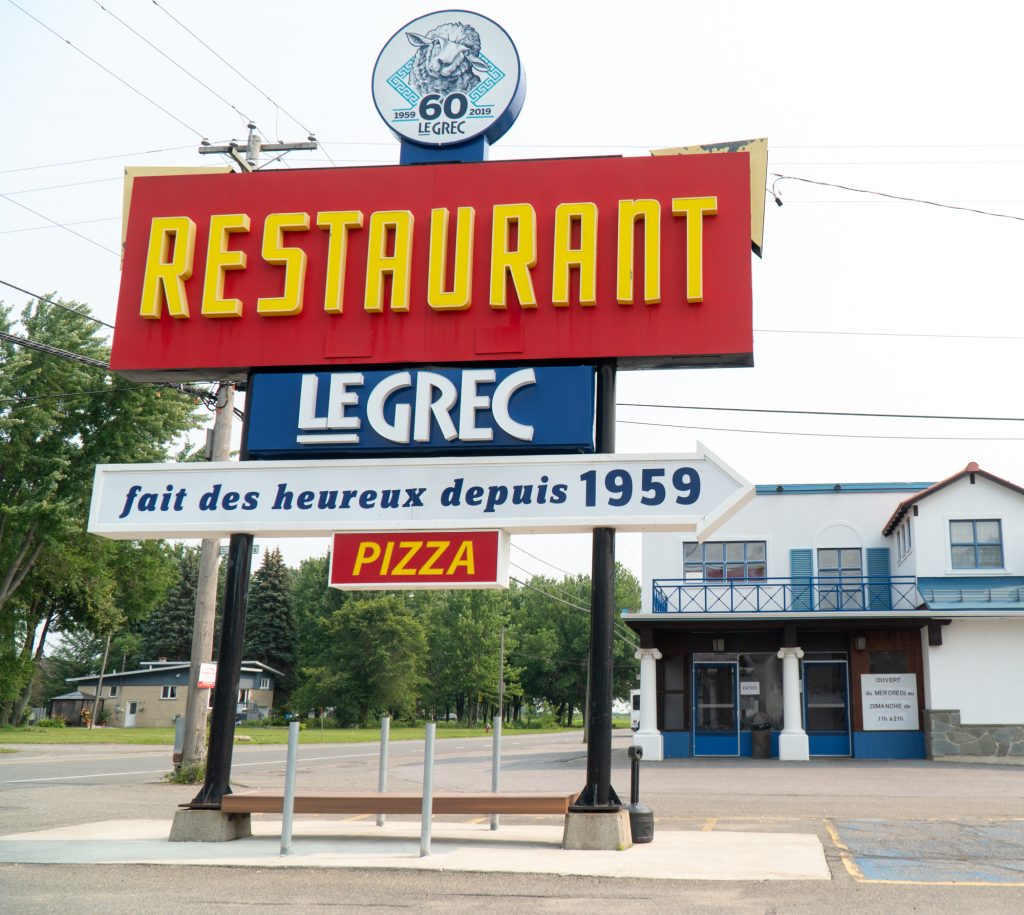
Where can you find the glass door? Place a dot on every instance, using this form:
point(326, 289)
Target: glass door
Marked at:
point(827, 708)
point(716, 720)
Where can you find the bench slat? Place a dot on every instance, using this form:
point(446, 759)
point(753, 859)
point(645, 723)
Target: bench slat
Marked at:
point(399, 802)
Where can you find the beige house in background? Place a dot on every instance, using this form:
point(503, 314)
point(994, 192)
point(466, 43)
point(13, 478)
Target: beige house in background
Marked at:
point(155, 694)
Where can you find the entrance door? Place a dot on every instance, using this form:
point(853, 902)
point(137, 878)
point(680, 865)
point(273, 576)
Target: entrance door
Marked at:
point(129, 716)
point(827, 708)
point(716, 720)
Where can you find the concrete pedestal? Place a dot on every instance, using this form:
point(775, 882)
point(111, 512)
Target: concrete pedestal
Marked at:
point(209, 826)
point(652, 743)
point(794, 747)
point(597, 831)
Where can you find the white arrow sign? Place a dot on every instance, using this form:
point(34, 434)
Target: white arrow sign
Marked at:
point(687, 492)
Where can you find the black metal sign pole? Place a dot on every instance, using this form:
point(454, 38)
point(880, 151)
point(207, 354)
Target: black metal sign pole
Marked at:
point(229, 662)
point(598, 795)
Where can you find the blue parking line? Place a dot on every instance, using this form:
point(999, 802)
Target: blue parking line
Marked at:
point(936, 851)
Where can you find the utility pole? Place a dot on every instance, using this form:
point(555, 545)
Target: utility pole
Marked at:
point(247, 157)
point(99, 686)
point(198, 700)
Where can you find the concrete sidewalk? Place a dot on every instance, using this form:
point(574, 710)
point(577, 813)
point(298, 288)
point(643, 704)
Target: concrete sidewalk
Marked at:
point(673, 855)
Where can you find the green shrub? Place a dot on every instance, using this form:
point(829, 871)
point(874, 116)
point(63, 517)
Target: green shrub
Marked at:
point(194, 774)
point(51, 723)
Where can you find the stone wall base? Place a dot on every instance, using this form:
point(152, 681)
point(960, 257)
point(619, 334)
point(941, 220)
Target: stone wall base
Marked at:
point(945, 736)
point(209, 826)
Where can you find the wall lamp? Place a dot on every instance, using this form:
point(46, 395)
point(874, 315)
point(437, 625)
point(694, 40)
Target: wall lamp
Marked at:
point(718, 645)
point(860, 642)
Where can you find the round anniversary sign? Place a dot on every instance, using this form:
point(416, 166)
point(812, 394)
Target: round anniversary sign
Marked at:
point(447, 78)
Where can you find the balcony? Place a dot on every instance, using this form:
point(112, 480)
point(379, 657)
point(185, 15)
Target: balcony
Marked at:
point(785, 595)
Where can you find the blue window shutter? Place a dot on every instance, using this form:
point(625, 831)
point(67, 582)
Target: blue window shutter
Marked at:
point(879, 579)
point(800, 570)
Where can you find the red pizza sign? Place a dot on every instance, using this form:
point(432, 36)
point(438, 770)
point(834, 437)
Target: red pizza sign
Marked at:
point(408, 559)
point(642, 260)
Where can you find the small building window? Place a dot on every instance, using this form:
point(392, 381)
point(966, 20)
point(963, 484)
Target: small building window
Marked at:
point(976, 544)
point(112, 692)
point(264, 682)
point(243, 696)
point(735, 560)
point(168, 692)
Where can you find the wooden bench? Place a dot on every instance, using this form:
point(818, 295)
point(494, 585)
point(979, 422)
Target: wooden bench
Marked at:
point(399, 802)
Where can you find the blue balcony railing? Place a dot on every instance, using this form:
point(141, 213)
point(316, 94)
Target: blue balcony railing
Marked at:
point(785, 595)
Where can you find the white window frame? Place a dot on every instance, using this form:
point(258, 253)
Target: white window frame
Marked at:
point(113, 689)
point(1004, 570)
point(169, 692)
point(264, 682)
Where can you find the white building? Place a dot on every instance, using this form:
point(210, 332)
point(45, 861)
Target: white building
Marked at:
point(867, 620)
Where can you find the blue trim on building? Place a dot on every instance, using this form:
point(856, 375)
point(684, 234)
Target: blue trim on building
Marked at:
point(676, 744)
point(888, 744)
point(778, 489)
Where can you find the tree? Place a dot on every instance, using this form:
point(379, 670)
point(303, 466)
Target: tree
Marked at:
point(58, 419)
point(269, 622)
point(368, 660)
point(167, 631)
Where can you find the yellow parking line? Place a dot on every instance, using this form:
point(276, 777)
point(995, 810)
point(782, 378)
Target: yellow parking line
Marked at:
point(476, 820)
point(358, 816)
point(709, 824)
point(844, 853)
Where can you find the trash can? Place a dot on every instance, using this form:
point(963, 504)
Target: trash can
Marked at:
point(761, 736)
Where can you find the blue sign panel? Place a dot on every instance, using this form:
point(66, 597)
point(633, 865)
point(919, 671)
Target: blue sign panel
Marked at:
point(548, 409)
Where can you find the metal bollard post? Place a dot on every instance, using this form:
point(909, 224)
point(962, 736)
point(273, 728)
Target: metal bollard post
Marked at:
point(428, 791)
point(382, 778)
point(496, 764)
point(289, 788)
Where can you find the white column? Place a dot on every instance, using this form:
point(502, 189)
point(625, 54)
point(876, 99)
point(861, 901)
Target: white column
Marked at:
point(793, 743)
point(648, 736)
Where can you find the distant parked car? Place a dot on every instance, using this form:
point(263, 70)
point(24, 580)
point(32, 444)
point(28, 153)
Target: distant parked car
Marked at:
point(634, 709)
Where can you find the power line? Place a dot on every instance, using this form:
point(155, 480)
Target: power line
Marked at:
point(883, 333)
point(662, 406)
point(575, 606)
point(141, 152)
point(860, 190)
point(57, 187)
point(921, 438)
point(43, 298)
point(106, 70)
point(236, 71)
point(245, 118)
point(60, 225)
point(80, 222)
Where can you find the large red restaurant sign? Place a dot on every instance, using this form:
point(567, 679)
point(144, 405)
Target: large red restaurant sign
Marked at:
point(642, 260)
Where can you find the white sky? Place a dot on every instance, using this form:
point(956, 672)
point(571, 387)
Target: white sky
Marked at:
point(860, 304)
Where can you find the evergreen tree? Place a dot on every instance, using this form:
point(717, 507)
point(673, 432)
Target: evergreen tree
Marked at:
point(167, 632)
point(270, 623)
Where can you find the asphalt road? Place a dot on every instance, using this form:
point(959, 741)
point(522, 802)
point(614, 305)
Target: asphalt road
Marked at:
point(898, 836)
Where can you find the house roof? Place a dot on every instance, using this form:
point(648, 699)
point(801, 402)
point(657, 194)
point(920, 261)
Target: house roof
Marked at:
point(250, 667)
point(74, 695)
point(971, 469)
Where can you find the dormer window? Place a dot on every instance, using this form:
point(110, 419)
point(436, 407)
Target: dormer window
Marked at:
point(976, 544)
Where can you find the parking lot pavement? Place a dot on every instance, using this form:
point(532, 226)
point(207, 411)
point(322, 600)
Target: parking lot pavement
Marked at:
point(936, 851)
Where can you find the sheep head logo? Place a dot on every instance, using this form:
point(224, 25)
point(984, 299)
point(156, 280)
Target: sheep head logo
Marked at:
point(447, 59)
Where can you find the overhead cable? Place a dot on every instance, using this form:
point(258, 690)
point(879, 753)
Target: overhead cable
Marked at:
point(141, 152)
point(60, 225)
point(238, 72)
point(861, 190)
point(107, 70)
point(665, 406)
point(43, 298)
point(921, 438)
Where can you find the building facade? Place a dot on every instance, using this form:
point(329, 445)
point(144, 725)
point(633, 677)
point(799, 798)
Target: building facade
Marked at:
point(155, 694)
point(863, 620)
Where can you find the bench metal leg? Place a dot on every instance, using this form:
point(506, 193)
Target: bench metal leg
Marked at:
point(428, 791)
